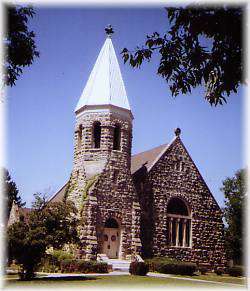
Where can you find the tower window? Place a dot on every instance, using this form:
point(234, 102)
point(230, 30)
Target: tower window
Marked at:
point(115, 176)
point(97, 135)
point(79, 136)
point(117, 138)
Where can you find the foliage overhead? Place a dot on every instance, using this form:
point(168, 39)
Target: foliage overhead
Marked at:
point(50, 226)
point(202, 47)
point(19, 43)
point(235, 190)
point(10, 191)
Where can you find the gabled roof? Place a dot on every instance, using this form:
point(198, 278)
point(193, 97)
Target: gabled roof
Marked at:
point(59, 195)
point(105, 84)
point(147, 158)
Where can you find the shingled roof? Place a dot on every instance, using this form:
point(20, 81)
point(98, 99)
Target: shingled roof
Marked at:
point(59, 194)
point(147, 158)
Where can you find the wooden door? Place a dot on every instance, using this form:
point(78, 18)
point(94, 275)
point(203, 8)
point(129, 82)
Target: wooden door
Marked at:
point(111, 242)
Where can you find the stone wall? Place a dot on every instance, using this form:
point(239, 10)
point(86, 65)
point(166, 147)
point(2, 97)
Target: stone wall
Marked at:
point(166, 180)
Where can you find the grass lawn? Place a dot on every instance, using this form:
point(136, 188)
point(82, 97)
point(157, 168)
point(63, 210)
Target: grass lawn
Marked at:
point(216, 278)
point(112, 281)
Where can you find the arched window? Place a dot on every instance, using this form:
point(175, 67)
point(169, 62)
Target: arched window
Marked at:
point(179, 223)
point(79, 136)
point(117, 137)
point(97, 135)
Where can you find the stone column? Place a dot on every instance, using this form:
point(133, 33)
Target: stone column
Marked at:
point(177, 231)
point(136, 241)
point(184, 232)
point(88, 235)
point(171, 231)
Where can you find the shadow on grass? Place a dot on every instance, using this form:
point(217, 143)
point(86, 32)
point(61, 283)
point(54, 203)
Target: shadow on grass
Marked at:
point(64, 278)
point(55, 279)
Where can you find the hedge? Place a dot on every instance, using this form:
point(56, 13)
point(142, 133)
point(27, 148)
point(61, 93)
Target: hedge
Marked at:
point(171, 266)
point(138, 268)
point(81, 266)
point(236, 271)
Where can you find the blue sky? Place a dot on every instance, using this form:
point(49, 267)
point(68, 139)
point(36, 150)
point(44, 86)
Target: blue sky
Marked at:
point(40, 111)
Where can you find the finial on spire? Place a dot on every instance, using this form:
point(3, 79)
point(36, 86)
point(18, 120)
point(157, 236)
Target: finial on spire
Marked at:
point(177, 131)
point(109, 30)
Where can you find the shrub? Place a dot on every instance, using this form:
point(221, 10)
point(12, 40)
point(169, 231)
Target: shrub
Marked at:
point(138, 268)
point(236, 271)
point(218, 271)
point(68, 266)
point(203, 270)
point(59, 255)
point(92, 267)
point(81, 266)
point(178, 269)
point(171, 266)
point(156, 262)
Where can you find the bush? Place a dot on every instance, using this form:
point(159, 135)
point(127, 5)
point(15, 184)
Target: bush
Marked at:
point(81, 266)
point(236, 271)
point(219, 271)
point(68, 266)
point(203, 270)
point(138, 268)
point(92, 267)
point(59, 255)
point(171, 266)
point(51, 262)
point(178, 269)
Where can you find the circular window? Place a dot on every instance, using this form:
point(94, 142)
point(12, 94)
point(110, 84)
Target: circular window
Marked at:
point(105, 237)
point(113, 238)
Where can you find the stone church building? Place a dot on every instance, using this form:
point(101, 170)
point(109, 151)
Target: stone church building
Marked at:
point(154, 203)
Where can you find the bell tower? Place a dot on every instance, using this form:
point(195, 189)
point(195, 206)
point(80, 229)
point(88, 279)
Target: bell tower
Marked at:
point(101, 184)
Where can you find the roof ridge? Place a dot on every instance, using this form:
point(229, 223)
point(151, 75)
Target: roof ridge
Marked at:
point(165, 144)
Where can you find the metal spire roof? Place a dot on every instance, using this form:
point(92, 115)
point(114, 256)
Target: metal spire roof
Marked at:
point(105, 84)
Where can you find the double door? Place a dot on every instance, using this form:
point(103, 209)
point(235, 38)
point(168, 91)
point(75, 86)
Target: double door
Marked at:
point(111, 242)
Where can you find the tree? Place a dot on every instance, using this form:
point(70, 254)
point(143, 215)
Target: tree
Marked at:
point(202, 47)
point(27, 246)
point(10, 191)
point(19, 43)
point(235, 190)
point(50, 226)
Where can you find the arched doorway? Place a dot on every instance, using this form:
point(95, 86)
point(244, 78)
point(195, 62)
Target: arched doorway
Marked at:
point(111, 238)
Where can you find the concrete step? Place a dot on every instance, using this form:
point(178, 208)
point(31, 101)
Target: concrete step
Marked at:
point(121, 265)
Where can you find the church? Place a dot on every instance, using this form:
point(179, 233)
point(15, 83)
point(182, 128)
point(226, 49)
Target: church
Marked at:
point(154, 203)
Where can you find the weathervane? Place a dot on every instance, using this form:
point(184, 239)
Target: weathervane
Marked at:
point(109, 30)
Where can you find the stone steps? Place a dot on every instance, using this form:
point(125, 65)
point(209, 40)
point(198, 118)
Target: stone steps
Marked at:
point(119, 265)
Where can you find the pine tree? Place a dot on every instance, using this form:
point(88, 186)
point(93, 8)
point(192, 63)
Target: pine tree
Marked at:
point(10, 191)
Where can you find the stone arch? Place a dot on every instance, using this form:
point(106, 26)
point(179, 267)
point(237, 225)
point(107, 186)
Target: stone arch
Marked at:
point(178, 205)
point(111, 223)
point(179, 230)
point(111, 237)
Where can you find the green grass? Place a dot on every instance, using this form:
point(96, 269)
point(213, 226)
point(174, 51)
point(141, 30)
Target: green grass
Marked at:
point(216, 278)
point(110, 281)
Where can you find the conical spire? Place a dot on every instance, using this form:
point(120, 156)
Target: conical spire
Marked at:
point(105, 84)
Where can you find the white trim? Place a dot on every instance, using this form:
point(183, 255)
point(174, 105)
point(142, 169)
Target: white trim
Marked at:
point(104, 108)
